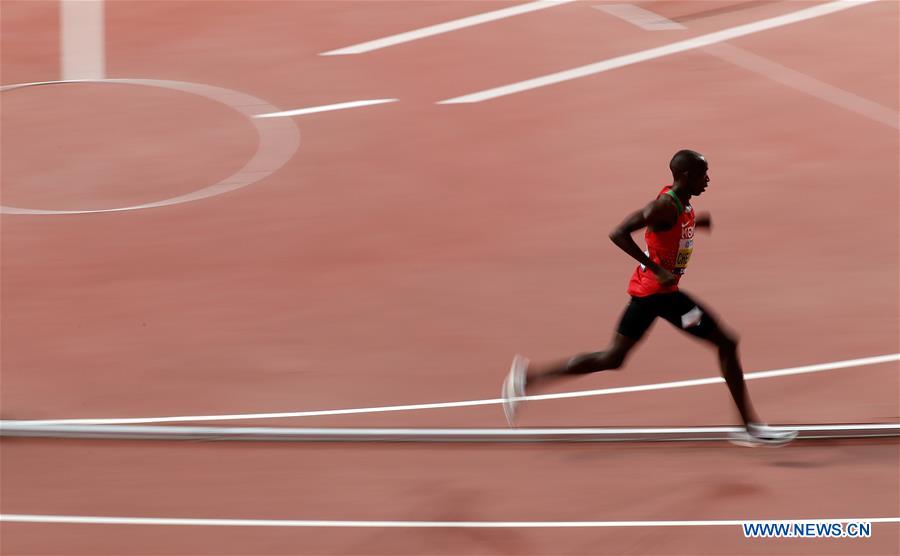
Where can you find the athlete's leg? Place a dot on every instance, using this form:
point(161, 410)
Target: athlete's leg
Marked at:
point(611, 358)
point(636, 319)
point(755, 432)
point(730, 366)
point(688, 315)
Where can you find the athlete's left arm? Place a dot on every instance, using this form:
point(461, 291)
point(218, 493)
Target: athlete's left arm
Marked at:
point(703, 220)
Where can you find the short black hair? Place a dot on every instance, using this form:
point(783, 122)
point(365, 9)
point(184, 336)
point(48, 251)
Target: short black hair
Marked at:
point(687, 161)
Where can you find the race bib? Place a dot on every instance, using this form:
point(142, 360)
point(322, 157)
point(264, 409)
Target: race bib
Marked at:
point(685, 248)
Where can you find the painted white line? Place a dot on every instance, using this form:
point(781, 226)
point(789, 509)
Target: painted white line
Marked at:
point(645, 19)
point(326, 108)
point(659, 52)
point(806, 84)
point(82, 40)
point(111, 520)
point(446, 27)
point(278, 141)
point(469, 403)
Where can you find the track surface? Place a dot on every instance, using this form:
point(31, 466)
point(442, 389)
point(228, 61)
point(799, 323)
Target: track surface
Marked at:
point(408, 249)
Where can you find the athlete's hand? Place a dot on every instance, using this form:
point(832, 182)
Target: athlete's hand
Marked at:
point(665, 277)
point(703, 220)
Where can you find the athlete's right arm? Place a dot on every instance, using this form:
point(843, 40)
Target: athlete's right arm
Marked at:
point(659, 214)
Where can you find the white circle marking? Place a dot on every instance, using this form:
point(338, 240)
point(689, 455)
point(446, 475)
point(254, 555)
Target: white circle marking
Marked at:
point(278, 141)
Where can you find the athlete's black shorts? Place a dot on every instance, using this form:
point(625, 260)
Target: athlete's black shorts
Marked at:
point(677, 308)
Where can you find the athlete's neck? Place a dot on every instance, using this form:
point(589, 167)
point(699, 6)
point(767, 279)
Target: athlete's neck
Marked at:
point(680, 190)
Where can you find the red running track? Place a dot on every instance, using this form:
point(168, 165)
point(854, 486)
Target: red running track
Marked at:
point(408, 249)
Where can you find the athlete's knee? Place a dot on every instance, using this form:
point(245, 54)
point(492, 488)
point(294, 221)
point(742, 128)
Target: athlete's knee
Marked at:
point(615, 359)
point(727, 342)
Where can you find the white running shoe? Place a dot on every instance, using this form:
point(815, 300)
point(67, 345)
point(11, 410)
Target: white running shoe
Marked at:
point(514, 387)
point(760, 434)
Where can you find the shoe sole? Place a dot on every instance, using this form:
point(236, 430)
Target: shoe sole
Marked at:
point(750, 441)
point(508, 391)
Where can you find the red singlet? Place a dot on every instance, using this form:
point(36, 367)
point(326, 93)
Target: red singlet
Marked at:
point(670, 249)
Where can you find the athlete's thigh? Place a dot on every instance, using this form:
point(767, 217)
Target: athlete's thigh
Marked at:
point(688, 315)
point(636, 320)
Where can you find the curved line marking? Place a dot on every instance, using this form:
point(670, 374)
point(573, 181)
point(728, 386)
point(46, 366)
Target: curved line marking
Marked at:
point(278, 141)
point(441, 405)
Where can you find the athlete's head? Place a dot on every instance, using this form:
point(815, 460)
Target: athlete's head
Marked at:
point(689, 170)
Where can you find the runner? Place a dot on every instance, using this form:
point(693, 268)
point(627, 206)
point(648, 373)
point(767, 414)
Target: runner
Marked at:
point(670, 222)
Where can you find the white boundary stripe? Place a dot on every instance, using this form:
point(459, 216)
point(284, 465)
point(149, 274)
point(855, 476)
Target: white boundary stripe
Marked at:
point(446, 27)
point(82, 39)
point(326, 108)
point(659, 52)
point(441, 405)
point(111, 520)
point(640, 17)
point(805, 83)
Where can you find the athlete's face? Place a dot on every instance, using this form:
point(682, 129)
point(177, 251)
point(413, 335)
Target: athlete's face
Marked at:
point(698, 180)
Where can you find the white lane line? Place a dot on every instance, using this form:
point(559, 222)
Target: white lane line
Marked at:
point(326, 108)
point(446, 27)
point(659, 52)
point(806, 84)
point(82, 39)
point(114, 520)
point(645, 19)
point(469, 403)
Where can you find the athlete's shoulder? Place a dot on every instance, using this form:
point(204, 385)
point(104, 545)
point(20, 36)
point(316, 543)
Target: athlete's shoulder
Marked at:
point(661, 214)
point(668, 199)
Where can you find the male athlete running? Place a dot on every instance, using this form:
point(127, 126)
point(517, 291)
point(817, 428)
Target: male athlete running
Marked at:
point(670, 223)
